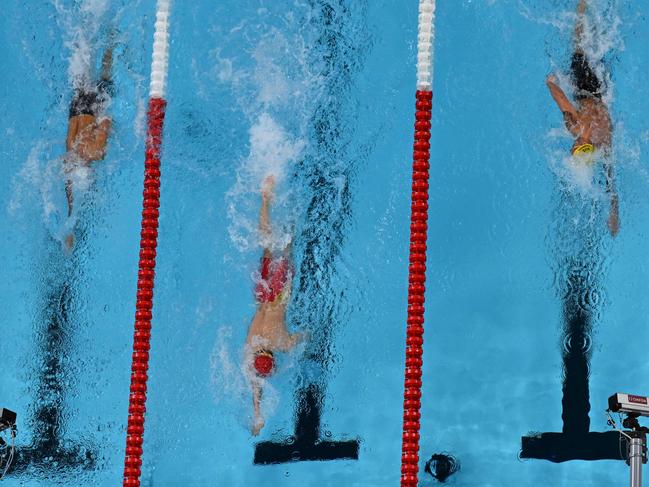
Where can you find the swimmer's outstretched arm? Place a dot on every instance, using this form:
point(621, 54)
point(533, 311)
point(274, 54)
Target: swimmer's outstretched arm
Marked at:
point(73, 130)
point(265, 229)
point(570, 113)
point(107, 64)
point(560, 98)
point(579, 26)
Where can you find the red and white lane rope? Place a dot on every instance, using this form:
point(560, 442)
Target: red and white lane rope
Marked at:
point(418, 237)
point(148, 244)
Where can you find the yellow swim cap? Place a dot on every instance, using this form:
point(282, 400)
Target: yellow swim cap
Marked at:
point(583, 149)
point(585, 153)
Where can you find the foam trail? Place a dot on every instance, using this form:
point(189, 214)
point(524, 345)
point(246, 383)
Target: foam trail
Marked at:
point(601, 35)
point(278, 96)
point(577, 176)
point(272, 151)
point(81, 27)
point(40, 184)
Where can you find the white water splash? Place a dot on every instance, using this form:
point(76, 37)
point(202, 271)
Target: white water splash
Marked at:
point(278, 95)
point(272, 151)
point(41, 184)
point(81, 27)
point(601, 34)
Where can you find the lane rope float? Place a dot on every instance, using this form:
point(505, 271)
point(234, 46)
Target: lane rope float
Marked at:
point(148, 245)
point(418, 239)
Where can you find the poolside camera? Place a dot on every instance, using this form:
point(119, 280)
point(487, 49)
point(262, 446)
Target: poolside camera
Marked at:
point(629, 403)
point(7, 419)
point(7, 422)
point(635, 435)
point(7, 451)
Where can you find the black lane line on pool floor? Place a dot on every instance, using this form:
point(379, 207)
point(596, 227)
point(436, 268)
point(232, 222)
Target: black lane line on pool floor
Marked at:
point(49, 450)
point(576, 442)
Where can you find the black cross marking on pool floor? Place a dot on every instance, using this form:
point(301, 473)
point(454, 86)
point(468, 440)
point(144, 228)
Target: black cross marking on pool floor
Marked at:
point(576, 441)
point(306, 444)
point(49, 450)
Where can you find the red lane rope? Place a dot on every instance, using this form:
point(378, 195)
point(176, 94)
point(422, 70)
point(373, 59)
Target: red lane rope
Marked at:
point(144, 304)
point(416, 291)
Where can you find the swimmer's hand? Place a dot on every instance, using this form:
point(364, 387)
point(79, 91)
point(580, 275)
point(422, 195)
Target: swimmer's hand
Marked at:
point(257, 426)
point(551, 79)
point(69, 241)
point(581, 8)
point(267, 188)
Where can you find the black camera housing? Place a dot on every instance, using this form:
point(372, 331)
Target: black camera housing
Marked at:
point(7, 419)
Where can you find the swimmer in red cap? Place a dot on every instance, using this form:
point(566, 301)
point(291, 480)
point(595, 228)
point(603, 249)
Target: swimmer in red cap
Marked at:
point(268, 333)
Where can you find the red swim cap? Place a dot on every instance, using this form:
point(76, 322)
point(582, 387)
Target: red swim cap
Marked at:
point(264, 363)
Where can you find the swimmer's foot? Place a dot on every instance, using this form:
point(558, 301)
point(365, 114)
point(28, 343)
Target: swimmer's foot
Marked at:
point(69, 241)
point(581, 7)
point(257, 426)
point(613, 224)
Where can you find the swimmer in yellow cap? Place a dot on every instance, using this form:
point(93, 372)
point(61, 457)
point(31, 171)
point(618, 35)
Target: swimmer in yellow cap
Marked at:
point(589, 121)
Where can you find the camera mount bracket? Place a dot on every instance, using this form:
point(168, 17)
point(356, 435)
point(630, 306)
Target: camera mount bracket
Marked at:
point(636, 435)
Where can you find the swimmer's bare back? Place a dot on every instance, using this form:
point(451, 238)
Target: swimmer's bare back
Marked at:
point(86, 142)
point(88, 137)
point(589, 121)
point(594, 122)
point(268, 329)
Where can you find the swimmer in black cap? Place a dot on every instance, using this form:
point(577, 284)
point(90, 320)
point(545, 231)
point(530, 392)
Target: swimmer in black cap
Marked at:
point(88, 127)
point(589, 122)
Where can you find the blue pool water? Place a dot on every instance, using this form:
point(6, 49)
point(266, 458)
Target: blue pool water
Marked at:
point(320, 93)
